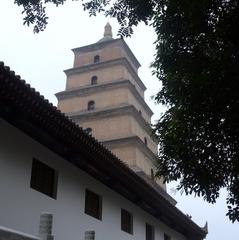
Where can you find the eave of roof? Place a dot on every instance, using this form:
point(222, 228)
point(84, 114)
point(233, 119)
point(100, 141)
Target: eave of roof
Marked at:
point(112, 111)
point(101, 87)
point(131, 140)
point(102, 44)
point(27, 110)
point(107, 64)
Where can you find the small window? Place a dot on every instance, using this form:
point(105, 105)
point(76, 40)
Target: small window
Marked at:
point(91, 105)
point(152, 174)
point(93, 204)
point(126, 221)
point(94, 80)
point(88, 131)
point(96, 58)
point(166, 237)
point(140, 112)
point(43, 178)
point(145, 141)
point(149, 232)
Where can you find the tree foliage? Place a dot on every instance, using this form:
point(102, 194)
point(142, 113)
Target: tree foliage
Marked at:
point(197, 61)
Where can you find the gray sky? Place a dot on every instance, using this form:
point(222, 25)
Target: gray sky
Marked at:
point(41, 58)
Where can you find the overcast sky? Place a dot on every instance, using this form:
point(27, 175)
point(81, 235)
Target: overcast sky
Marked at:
point(41, 58)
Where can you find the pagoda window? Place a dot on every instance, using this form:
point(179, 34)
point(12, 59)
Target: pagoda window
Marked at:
point(94, 80)
point(96, 59)
point(152, 174)
point(91, 105)
point(145, 141)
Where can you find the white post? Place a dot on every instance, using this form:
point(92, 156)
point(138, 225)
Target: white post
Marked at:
point(89, 235)
point(45, 228)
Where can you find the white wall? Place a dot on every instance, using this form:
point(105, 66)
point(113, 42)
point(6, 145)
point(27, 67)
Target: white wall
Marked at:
point(21, 206)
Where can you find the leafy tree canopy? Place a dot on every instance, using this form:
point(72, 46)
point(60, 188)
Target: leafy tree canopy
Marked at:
point(197, 61)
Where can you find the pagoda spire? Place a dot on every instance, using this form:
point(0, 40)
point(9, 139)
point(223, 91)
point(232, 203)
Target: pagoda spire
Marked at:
point(108, 30)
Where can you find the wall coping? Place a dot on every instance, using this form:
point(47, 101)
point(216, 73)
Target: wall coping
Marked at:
point(10, 234)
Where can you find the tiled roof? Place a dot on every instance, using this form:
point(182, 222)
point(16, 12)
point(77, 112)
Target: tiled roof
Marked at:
point(26, 109)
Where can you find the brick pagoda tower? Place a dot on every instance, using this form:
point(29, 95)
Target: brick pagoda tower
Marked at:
point(105, 96)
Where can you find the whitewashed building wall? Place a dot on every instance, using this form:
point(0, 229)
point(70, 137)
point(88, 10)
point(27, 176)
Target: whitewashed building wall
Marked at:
point(21, 206)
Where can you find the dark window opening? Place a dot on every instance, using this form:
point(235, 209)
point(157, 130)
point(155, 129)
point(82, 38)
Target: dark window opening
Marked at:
point(126, 221)
point(94, 80)
point(140, 112)
point(145, 141)
point(93, 204)
point(152, 174)
point(149, 232)
point(166, 237)
point(96, 58)
point(43, 178)
point(88, 131)
point(91, 105)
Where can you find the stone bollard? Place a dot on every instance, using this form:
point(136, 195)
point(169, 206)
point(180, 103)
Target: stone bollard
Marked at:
point(89, 235)
point(45, 227)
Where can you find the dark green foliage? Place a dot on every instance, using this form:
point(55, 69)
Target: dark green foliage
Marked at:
point(35, 12)
point(197, 61)
point(127, 12)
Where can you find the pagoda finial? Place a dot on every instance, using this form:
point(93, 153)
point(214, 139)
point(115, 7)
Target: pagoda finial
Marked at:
point(108, 30)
